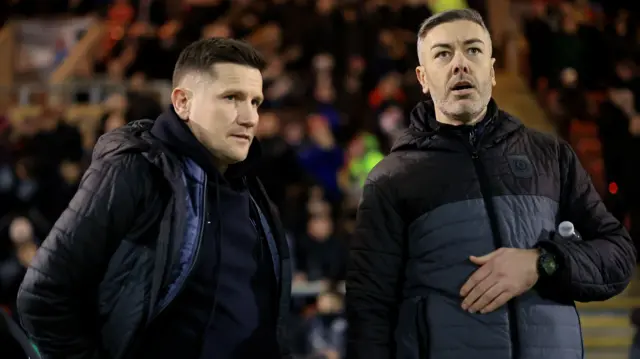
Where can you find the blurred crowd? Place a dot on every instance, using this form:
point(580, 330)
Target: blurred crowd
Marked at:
point(338, 88)
point(591, 90)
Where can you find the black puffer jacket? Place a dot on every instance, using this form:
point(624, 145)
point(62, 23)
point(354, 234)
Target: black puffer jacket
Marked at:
point(445, 193)
point(126, 243)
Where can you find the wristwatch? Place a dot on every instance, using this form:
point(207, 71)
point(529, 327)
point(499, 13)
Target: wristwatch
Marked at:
point(547, 263)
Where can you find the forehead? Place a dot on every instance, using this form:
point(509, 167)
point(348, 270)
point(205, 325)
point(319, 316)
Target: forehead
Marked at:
point(237, 77)
point(456, 31)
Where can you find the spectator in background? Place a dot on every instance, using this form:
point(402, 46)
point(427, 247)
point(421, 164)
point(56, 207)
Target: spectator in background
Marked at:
point(12, 269)
point(322, 157)
point(279, 169)
point(391, 124)
point(363, 153)
point(538, 32)
point(597, 61)
point(327, 329)
point(110, 122)
point(568, 49)
point(613, 125)
point(571, 103)
point(388, 90)
point(145, 105)
point(621, 39)
point(320, 256)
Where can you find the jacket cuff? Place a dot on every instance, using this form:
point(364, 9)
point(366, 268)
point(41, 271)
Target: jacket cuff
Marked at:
point(559, 283)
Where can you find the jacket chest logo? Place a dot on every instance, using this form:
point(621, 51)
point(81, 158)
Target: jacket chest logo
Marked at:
point(521, 166)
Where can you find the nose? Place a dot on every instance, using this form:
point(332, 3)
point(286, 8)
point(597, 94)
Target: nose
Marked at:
point(247, 115)
point(460, 64)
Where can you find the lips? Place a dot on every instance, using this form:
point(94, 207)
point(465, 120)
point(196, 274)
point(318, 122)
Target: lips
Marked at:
point(242, 136)
point(461, 86)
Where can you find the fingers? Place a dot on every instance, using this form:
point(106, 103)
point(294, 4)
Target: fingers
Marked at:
point(487, 297)
point(488, 288)
point(478, 276)
point(481, 290)
point(479, 260)
point(483, 259)
point(497, 302)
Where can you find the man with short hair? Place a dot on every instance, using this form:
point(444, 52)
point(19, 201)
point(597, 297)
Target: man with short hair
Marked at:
point(455, 253)
point(170, 248)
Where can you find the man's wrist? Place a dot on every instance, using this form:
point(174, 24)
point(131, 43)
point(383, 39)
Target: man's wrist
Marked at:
point(547, 263)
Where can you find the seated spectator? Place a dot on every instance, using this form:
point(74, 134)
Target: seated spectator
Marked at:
point(571, 102)
point(539, 35)
point(13, 268)
point(322, 157)
point(391, 122)
point(327, 329)
point(320, 256)
point(316, 203)
point(279, 168)
point(363, 154)
point(146, 106)
point(568, 49)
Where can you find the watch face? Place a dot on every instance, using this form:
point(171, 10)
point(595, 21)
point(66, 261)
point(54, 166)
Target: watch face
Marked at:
point(549, 265)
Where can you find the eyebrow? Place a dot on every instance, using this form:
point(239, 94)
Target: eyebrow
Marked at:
point(466, 43)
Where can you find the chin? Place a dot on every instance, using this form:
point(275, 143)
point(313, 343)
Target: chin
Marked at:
point(238, 157)
point(462, 110)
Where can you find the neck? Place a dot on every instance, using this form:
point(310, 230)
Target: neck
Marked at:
point(218, 163)
point(467, 119)
point(221, 168)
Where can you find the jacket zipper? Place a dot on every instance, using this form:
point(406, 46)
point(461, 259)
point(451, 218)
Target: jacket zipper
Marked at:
point(485, 189)
point(195, 254)
point(422, 328)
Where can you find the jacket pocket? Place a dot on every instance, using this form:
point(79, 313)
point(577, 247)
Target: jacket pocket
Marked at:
point(412, 331)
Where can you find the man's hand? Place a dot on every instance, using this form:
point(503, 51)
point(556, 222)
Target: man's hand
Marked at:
point(503, 274)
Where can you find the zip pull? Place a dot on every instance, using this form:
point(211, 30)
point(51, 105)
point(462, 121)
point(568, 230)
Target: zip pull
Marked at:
point(472, 142)
point(472, 137)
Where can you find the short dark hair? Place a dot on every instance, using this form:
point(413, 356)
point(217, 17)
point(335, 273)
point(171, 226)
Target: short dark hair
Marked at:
point(450, 16)
point(203, 54)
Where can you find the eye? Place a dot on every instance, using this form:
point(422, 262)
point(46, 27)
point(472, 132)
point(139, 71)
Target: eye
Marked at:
point(441, 54)
point(474, 51)
point(231, 97)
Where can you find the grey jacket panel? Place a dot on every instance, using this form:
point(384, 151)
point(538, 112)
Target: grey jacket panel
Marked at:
point(431, 322)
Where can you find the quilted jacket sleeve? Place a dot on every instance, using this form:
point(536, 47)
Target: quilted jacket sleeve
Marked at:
point(56, 301)
point(374, 275)
point(600, 265)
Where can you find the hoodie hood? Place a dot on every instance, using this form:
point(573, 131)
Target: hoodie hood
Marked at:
point(131, 138)
point(135, 137)
point(424, 128)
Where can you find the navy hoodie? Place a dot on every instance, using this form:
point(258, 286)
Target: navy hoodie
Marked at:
point(228, 307)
